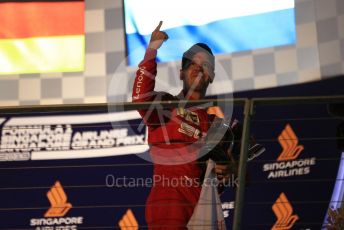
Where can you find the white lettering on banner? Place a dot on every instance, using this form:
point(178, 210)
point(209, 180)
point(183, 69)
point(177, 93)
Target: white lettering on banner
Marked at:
point(290, 164)
point(35, 138)
point(62, 223)
point(56, 221)
point(226, 206)
point(289, 168)
point(131, 140)
point(20, 143)
point(14, 156)
point(105, 139)
point(289, 173)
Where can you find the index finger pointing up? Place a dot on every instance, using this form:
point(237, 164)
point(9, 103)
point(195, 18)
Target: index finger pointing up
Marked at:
point(159, 26)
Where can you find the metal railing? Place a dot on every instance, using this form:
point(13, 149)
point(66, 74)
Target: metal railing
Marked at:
point(249, 111)
point(249, 106)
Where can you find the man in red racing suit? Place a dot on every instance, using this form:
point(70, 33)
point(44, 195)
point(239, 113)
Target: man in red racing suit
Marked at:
point(174, 135)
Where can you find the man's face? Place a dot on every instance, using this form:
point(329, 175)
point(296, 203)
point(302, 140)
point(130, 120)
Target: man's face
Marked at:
point(197, 76)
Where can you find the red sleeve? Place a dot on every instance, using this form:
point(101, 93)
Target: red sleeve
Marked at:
point(143, 88)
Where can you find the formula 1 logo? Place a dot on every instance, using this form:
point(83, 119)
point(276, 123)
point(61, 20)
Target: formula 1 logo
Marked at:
point(128, 221)
point(284, 213)
point(289, 142)
point(58, 200)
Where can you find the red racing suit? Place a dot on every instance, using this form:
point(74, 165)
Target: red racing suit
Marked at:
point(175, 137)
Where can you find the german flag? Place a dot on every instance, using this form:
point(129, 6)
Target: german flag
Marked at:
point(42, 36)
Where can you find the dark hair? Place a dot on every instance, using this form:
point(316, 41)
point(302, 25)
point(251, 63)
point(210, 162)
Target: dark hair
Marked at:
point(198, 47)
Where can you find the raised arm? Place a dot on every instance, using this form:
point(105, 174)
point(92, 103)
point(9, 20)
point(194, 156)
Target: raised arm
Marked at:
point(143, 89)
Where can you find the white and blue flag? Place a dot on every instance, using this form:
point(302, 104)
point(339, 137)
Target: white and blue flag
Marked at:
point(225, 25)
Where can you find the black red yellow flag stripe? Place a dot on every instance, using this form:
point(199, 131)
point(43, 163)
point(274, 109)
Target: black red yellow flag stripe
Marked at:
point(41, 36)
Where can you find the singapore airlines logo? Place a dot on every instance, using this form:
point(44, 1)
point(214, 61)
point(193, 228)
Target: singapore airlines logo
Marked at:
point(55, 218)
point(284, 214)
point(288, 164)
point(128, 221)
point(58, 200)
point(289, 142)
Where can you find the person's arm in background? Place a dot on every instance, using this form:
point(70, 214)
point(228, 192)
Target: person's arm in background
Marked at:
point(143, 88)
